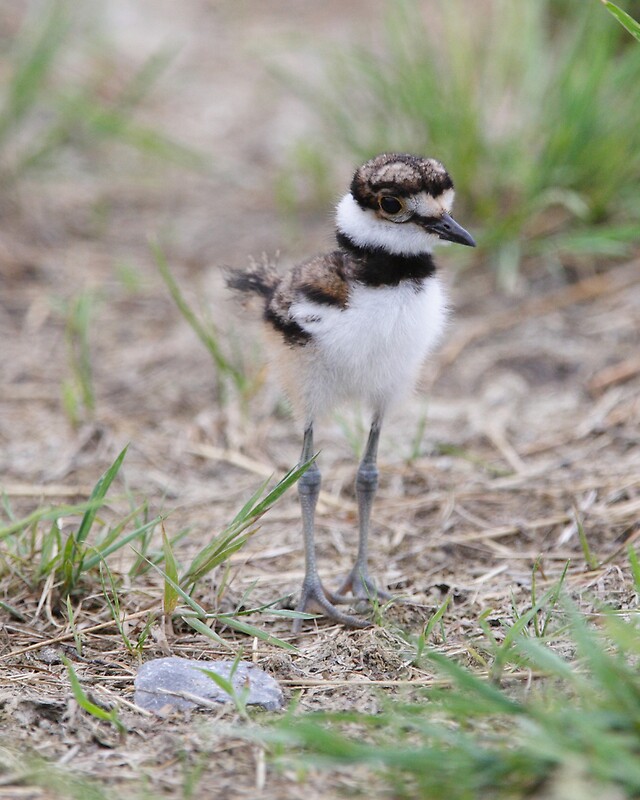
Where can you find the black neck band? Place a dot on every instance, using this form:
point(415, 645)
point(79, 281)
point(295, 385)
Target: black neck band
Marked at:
point(377, 267)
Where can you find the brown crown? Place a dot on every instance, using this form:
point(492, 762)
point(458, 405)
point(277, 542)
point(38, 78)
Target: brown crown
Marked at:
point(400, 174)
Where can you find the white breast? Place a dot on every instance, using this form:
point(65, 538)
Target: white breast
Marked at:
point(373, 349)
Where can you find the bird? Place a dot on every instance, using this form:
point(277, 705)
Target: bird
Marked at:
point(356, 324)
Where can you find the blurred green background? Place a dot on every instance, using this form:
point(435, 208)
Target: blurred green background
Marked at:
point(533, 106)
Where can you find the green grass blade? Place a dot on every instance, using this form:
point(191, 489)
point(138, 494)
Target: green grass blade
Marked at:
point(229, 621)
point(478, 688)
point(33, 66)
point(591, 561)
point(216, 553)
point(220, 681)
point(80, 312)
point(49, 549)
point(239, 698)
point(49, 513)
point(171, 596)
point(251, 630)
point(287, 613)
point(144, 80)
point(516, 631)
point(72, 624)
point(615, 677)
point(202, 628)
point(87, 705)
point(71, 565)
point(634, 563)
point(102, 552)
point(436, 617)
point(281, 487)
point(113, 534)
point(98, 494)
point(177, 588)
point(207, 337)
point(553, 599)
point(626, 20)
point(155, 556)
point(277, 612)
point(6, 505)
point(113, 602)
point(236, 534)
point(13, 612)
point(246, 509)
point(543, 658)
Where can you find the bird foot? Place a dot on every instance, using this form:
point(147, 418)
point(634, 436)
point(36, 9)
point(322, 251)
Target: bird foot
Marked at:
point(361, 587)
point(314, 595)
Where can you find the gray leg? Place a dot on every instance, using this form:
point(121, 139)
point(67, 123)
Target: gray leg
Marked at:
point(313, 592)
point(358, 581)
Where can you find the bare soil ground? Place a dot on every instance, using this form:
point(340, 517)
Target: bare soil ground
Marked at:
point(526, 425)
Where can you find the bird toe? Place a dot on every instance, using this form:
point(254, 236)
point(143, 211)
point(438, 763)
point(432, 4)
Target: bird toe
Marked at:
point(314, 596)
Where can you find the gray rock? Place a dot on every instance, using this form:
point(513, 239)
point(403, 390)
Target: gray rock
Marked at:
point(164, 684)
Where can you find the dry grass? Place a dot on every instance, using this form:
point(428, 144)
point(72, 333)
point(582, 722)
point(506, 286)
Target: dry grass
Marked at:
point(531, 412)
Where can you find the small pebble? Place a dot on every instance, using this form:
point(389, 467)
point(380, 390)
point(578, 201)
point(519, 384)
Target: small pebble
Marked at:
point(163, 684)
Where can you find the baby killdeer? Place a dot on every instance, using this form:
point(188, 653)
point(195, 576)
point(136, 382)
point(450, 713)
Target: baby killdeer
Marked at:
point(357, 323)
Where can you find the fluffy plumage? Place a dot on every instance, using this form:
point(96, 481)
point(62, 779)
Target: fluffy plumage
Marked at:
point(370, 350)
point(358, 322)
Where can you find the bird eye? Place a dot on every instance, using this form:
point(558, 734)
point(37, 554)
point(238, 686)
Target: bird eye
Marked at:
point(390, 205)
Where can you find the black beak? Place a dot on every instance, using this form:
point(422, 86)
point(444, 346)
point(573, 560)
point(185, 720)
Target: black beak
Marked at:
point(447, 229)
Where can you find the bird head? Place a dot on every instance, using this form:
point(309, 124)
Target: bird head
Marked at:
point(402, 204)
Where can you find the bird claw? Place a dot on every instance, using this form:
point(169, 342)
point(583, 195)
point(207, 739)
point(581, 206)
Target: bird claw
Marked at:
point(314, 594)
point(361, 587)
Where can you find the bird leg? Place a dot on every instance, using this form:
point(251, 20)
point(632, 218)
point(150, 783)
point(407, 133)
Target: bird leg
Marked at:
point(313, 593)
point(358, 581)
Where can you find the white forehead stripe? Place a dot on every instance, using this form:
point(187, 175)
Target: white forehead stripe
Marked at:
point(428, 206)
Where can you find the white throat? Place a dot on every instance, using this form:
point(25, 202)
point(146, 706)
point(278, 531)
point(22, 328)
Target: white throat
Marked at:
point(365, 229)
